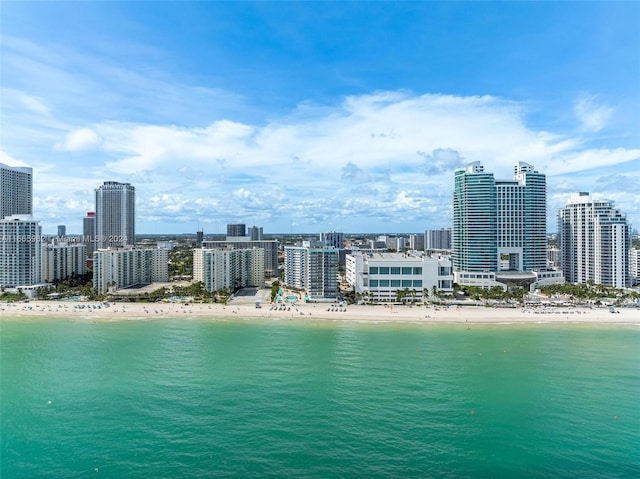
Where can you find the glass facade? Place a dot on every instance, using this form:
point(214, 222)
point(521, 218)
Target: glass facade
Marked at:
point(474, 238)
point(494, 219)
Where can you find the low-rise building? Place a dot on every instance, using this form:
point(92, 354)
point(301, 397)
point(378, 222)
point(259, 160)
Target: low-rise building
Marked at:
point(379, 276)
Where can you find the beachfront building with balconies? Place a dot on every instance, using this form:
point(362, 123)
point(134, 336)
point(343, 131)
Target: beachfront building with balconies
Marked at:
point(20, 252)
point(229, 269)
point(594, 240)
point(312, 269)
point(62, 260)
point(117, 268)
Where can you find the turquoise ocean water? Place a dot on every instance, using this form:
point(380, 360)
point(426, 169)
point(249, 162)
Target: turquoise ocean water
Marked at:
point(199, 398)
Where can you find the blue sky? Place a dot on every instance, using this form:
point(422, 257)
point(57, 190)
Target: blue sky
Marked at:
point(314, 116)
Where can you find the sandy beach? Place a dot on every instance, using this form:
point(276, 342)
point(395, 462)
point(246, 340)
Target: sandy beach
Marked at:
point(315, 311)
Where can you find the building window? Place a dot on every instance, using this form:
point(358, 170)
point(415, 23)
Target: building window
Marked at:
point(395, 270)
point(417, 271)
point(384, 283)
point(417, 283)
point(395, 283)
point(384, 270)
point(373, 270)
point(407, 283)
point(406, 270)
point(373, 283)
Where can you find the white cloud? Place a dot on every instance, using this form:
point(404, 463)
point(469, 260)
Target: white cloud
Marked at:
point(581, 160)
point(80, 140)
point(381, 159)
point(32, 103)
point(10, 161)
point(592, 116)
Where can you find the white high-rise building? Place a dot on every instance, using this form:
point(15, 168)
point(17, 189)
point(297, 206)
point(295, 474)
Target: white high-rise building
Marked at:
point(20, 252)
point(313, 269)
point(634, 266)
point(16, 190)
point(256, 233)
point(115, 215)
point(228, 268)
point(270, 248)
point(594, 240)
point(416, 242)
point(116, 268)
point(63, 260)
point(437, 239)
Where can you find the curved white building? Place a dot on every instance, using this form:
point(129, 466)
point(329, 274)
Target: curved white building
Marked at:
point(594, 242)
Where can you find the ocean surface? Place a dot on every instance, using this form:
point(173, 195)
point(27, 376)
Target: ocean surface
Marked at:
point(248, 399)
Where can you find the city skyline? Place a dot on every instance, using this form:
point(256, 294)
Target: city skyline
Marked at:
point(352, 117)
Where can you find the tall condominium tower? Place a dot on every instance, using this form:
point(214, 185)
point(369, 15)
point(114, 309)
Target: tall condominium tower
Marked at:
point(499, 225)
point(522, 219)
point(634, 266)
point(313, 269)
point(416, 242)
point(475, 225)
point(236, 230)
point(89, 232)
point(231, 268)
point(256, 233)
point(437, 239)
point(334, 239)
point(115, 214)
point(20, 251)
point(16, 191)
point(594, 242)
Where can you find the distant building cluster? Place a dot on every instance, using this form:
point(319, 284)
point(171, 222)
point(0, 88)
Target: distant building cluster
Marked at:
point(498, 239)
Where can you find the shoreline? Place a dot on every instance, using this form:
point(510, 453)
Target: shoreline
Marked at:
point(317, 311)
